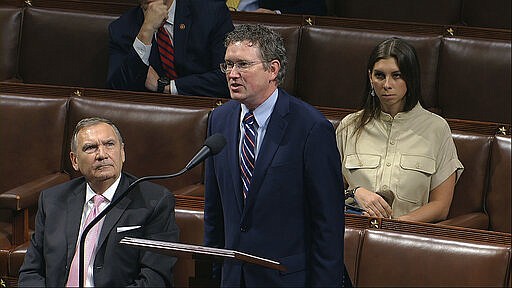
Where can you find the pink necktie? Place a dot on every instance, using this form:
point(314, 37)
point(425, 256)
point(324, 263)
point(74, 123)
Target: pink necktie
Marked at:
point(90, 244)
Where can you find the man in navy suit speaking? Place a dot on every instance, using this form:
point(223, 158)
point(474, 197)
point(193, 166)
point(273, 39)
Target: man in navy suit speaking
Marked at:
point(275, 190)
point(170, 46)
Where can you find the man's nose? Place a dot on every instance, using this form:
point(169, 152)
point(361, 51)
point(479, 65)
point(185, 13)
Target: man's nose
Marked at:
point(102, 152)
point(233, 73)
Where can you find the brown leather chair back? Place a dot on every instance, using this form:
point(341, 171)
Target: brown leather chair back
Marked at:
point(10, 21)
point(394, 259)
point(353, 238)
point(191, 225)
point(333, 61)
point(429, 11)
point(170, 135)
point(64, 47)
point(499, 195)
point(38, 152)
point(475, 79)
point(491, 14)
point(473, 151)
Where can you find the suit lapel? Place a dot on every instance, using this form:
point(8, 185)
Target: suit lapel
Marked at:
point(275, 132)
point(181, 32)
point(75, 207)
point(233, 154)
point(113, 215)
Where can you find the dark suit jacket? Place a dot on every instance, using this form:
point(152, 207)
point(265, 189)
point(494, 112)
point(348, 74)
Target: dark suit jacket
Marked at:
point(294, 211)
point(52, 246)
point(309, 7)
point(200, 27)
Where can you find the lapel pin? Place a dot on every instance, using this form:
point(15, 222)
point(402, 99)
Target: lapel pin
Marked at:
point(182, 26)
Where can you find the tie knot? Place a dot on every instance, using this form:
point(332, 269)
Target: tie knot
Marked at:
point(162, 30)
point(249, 118)
point(98, 199)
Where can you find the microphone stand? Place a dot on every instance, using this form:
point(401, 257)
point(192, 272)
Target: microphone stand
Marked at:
point(106, 210)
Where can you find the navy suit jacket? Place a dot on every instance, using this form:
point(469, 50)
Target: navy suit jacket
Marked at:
point(200, 27)
point(309, 7)
point(52, 246)
point(294, 211)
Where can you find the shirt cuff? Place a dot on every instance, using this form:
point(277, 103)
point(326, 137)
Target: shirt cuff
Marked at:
point(142, 50)
point(174, 90)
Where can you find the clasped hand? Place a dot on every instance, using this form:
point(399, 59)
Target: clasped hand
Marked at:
point(372, 203)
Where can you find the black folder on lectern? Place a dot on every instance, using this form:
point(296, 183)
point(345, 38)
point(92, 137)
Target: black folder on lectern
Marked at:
point(194, 251)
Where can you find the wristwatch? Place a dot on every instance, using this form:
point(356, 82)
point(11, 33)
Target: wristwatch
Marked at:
point(349, 193)
point(162, 82)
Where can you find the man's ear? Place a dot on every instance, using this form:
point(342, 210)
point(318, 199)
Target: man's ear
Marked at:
point(74, 160)
point(123, 155)
point(274, 68)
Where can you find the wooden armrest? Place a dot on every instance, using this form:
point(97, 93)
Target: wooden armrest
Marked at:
point(19, 199)
point(191, 190)
point(13, 80)
point(475, 220)
point(27, 195)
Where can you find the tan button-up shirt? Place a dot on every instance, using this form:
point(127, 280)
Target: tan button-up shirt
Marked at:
point(410, 154)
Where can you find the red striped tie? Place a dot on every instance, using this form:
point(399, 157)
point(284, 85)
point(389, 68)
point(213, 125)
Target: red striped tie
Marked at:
point(166, 50)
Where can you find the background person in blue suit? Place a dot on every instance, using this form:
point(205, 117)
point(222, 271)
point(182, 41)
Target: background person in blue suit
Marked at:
point(197, 29)
point(292, 211)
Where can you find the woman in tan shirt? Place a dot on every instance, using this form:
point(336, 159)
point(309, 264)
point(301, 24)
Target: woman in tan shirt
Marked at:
point(394, 146)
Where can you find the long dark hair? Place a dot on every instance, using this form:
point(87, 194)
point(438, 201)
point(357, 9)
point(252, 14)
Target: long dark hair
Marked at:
point(407, 61)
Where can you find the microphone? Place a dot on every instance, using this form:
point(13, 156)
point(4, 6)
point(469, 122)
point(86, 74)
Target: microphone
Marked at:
point(213, 145)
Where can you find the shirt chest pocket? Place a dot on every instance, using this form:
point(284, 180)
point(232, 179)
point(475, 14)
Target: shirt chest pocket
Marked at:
point(361, 169)
point(362, 161)
point(418, 163)
point(415, 177)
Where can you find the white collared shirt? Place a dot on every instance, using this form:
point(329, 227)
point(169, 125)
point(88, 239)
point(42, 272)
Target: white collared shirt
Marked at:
point(262, 115)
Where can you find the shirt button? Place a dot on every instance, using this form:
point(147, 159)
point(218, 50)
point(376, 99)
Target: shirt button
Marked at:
point(418, 165)
point(385, 187)
point(392, 142)
point(388, 164)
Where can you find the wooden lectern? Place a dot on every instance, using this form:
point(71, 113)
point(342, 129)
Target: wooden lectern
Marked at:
point(204, 256)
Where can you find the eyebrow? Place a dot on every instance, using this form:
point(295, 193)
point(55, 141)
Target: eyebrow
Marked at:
point(92, 144)
point(392, 72)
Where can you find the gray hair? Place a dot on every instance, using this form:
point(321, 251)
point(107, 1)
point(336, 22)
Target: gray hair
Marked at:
point(271, 44)
point(87, 122)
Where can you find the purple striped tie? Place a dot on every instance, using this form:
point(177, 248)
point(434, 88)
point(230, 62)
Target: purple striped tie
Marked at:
point(247, 156)
point(166, 50)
